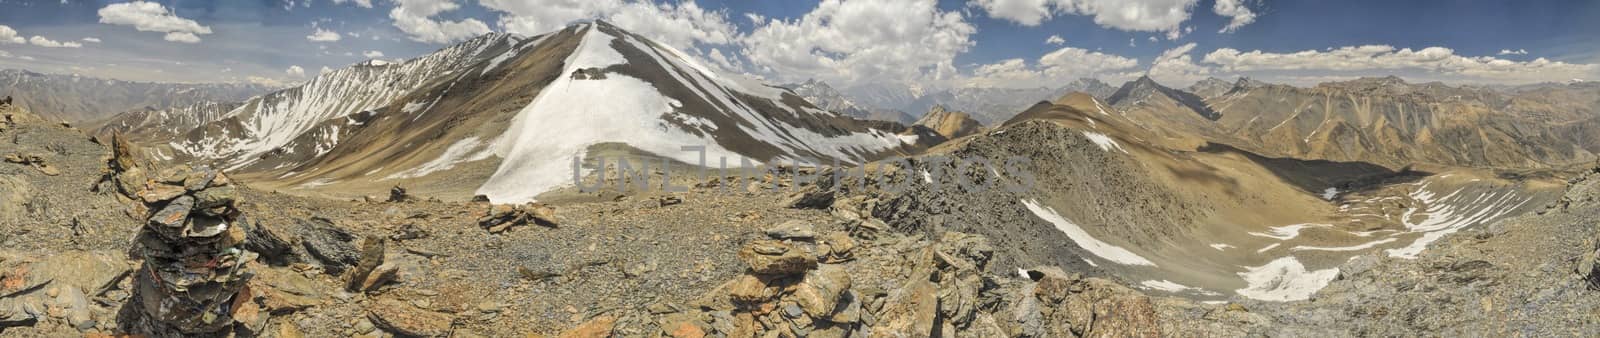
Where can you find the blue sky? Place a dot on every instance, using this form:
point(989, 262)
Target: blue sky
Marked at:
point(910, 43)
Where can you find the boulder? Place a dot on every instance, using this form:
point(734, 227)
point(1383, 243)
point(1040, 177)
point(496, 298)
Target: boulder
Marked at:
point(811, 198)
point(505, 216)
point(132, 182)
point(275, 246)
point(911, 311)
point(792, 229)
point(680, 326)
point(398, 194)
point(958, 298)
point(379, 276)
point(542, 214)
point(282, 291)
point(836, 247)
point(597, 327)
point(75, 308)
point(328, 244)
point(767, 257)
point(848, 310)
point(371, 258)
point(750, 289)
point(822, 289)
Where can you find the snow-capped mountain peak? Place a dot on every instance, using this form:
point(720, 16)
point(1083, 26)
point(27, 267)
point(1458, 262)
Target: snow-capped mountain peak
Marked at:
point(511, 113)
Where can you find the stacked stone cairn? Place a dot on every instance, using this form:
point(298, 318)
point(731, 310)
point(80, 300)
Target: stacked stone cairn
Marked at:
point(192, 281)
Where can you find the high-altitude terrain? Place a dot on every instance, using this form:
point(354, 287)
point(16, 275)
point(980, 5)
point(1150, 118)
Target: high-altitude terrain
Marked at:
point(435, 197)
point(85, 99)
point(554, 96)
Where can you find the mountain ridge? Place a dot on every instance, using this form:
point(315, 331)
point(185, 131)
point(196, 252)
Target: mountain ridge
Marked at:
point(83, 99)
point(490, 102)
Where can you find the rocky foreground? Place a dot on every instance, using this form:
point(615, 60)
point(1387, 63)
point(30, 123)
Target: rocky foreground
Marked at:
point(81, 236)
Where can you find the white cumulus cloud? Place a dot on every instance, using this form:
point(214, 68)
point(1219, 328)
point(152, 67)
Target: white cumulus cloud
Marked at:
point(296, 71)
point(1128, 15)
point(358, 3)
point(372, 54)
point(852, 42)
point(1052, 69)
point(8, 35)
point(1236, 10)
point(45, 42)
point(1438, 63)
point(1175, 66)
point(264, 81)
point(1055, 40)
point(415, 18)
point(681, 24)
point(1513, 52)
point(91, 39)
point(322, 35)
point(153, 17)
point(184, 37)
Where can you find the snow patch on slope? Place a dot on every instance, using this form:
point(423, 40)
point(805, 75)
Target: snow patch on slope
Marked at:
point(1452, 212)
point(1284, 279)
point(462, 151)
point(1174, 287)
point(619, 108)
point(1358, 247)
point(1104, 142)
point(1083, 239)
point(1288, 232)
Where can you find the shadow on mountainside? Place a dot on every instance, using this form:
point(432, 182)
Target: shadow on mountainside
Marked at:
point(1316, 175)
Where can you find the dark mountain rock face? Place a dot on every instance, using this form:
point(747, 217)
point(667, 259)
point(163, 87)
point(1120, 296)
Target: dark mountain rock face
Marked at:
point(1146, 88)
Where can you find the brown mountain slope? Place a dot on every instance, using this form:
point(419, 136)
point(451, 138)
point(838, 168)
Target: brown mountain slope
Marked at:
point(950, 124)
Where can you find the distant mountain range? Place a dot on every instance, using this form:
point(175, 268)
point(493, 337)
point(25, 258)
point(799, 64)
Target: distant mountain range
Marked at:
point(986, 105)
point(79, 98)
point(1385, 121)
point(504, 116)
point(828, 98)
